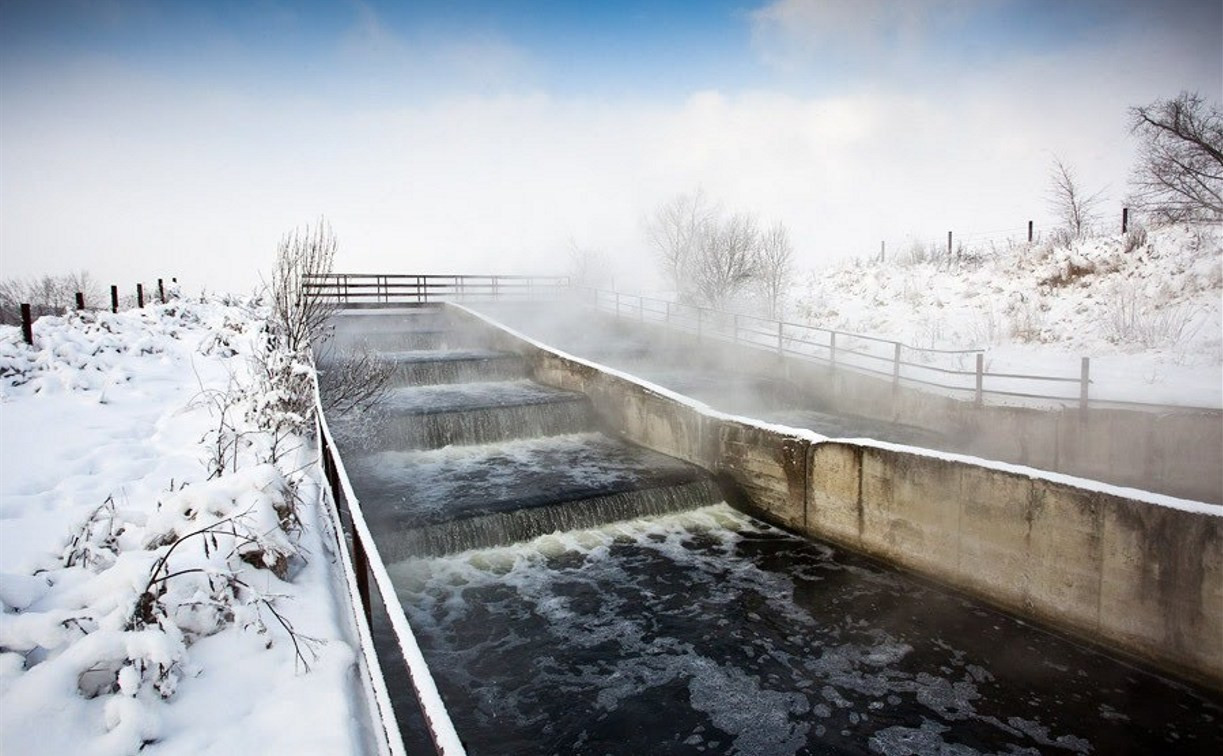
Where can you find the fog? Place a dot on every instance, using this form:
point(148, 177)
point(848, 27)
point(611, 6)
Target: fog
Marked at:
point(142, 141)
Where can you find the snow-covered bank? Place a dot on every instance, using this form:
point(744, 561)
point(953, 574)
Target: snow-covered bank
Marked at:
point(1147, 307)
point(166, 579)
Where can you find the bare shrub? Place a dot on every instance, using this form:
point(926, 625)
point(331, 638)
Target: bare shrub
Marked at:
point(354, 380)
point(1073, 206)
point(1135, 238)
point(1131, 319)
point(298, 318)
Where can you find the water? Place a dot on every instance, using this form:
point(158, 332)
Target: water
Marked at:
point(430, 502)
point(711, 632)
point(432, 367)
point(432, 417)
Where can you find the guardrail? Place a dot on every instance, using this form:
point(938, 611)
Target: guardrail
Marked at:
point(358, 566)
point(373, 289)
point(957, 372)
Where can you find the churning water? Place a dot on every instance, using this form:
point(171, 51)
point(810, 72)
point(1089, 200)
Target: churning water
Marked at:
point(710, 632)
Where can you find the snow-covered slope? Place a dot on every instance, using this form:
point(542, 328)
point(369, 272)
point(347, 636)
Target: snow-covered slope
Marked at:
point(1145, 306)
point(121, 436)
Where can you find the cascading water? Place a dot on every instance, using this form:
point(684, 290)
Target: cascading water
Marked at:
point(710, 632)
point(702, 631)
point(432, 367)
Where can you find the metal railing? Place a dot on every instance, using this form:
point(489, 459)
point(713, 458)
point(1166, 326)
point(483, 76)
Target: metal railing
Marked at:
point(372, 289)
point(359, 565)
point(954, 372)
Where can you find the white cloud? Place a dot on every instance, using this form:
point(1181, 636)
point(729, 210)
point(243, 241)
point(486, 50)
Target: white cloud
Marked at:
point(137, 176)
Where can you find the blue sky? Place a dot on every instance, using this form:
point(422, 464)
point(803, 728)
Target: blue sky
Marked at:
point(481, 135)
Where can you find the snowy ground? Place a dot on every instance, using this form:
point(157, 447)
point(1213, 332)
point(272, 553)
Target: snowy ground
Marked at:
point(115, 637)
point(1146, 307)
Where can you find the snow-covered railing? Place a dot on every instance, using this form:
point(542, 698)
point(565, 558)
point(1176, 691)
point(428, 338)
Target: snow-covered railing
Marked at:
point(358, 566)
point(372, 289)
point(961, 372)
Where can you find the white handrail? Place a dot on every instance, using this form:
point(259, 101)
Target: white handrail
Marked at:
point(437, 719)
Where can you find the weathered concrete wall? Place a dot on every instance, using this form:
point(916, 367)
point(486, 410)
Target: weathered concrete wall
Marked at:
point(1142, 578)
point(1179, 453)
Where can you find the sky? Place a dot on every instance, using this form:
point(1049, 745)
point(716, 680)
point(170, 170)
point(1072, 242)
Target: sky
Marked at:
point(143, 139)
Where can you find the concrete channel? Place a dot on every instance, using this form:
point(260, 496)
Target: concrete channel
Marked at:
point(559, 539)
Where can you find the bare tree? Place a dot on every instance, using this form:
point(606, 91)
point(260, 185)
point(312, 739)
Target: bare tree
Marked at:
point(727, 258)
point(588, 267)
point(675, 231)
point(302, 255)
point(776, 262)
point(1179, 176)
point(46, 295)
point(1072, 205)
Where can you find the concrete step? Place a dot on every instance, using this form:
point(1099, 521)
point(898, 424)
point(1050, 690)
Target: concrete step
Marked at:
point(440, 501)
point(431, 417)
point(427, 367)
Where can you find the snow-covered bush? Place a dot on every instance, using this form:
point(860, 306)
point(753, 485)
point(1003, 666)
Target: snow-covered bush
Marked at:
point(109, 625)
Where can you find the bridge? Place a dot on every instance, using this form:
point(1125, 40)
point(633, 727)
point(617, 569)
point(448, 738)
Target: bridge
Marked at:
point(572, 558)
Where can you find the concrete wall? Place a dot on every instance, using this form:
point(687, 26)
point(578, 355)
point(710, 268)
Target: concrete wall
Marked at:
point(1179, 453)
point(1142, 578)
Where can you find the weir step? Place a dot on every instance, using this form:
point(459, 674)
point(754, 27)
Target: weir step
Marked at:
point(433, 367)
point(432, 417)
point(446, 500)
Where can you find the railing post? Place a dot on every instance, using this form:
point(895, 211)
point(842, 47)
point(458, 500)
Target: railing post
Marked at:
point(1084, 382)
point(699, 326)
point(667, 317)
point(27, 324)
point(640, 308)
point(114, 298)
point(832, 347)
point(361, 567)
point(161, 290)
point(617, 305)
point(980, 378)
point(896, 366)
point(736, 339)
point(780, 348)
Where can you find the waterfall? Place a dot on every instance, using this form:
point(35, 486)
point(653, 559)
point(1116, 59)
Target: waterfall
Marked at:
point(482, 425)
point(503, 528)
point(418, 369)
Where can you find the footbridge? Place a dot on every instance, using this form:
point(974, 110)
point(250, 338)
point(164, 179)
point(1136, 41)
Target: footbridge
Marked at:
point(557, 555)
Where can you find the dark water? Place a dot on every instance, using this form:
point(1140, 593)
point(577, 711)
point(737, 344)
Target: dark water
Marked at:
point(709, 632)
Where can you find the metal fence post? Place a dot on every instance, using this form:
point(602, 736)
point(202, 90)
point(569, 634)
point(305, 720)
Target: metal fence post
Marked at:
point(1084, 382)
point(832, 347)
point(896, 366)
point(617, 305)
point(699, 329)
point(667, 317)
point(980, 377)
point(27, 324)
point(736, 321)
point(114, 298)
point(780, 348)
point(140, 295)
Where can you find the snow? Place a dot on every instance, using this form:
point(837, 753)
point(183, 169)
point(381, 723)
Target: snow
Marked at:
point(1146, 308)
point(109, 427)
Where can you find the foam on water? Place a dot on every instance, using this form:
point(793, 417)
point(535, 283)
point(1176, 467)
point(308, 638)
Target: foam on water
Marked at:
point(709, 631)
